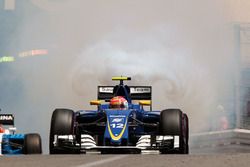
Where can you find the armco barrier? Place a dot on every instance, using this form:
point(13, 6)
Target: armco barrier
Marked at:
point(234, 140)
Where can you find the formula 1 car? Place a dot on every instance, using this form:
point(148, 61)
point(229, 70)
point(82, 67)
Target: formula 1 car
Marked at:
point(120, 124)
point(11, 143)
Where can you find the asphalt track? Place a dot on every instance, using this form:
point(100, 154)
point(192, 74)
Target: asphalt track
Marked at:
point(117, 160)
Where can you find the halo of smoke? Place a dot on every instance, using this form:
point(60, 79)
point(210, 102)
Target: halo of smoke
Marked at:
point(178, 80)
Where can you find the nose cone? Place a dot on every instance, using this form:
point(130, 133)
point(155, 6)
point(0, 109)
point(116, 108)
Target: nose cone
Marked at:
point(117, 125)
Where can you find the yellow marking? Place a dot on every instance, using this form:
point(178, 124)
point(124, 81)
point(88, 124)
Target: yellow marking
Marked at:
point(119, 78)
point(120, 135)
point(145, 102)
point(95, 102)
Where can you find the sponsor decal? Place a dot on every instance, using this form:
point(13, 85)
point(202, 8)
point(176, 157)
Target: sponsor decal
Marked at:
point(6, 117)
point(106, 89)
point(116, 120)
point(117, 116)
point(140, 90)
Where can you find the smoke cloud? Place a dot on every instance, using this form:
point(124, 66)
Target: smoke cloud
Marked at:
point(183, 49)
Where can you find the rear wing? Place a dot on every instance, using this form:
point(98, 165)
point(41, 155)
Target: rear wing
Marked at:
point(6, 119)
point(135, 92)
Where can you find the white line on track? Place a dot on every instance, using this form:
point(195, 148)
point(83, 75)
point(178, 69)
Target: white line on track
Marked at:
point(102, 161)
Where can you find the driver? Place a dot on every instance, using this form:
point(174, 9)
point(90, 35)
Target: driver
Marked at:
point(118, 102)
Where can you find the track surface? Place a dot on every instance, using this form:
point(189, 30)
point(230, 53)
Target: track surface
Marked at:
point(89, 160)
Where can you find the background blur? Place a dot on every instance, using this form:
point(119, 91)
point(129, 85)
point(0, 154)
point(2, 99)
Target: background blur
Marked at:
point(195, 54)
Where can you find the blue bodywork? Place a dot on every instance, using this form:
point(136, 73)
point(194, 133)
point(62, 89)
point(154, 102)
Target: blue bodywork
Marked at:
point(12, 143)
point(119, 127)
point(116, 128)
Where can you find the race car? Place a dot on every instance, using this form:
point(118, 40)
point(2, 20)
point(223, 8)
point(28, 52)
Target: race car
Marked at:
point(123, 122)
point(12, 143)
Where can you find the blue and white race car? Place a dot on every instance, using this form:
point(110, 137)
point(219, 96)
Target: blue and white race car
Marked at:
point(121, 124)
point(11, 143)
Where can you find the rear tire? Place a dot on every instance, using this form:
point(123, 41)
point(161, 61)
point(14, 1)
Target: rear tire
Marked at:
point(62, 123)
point(172, 124)
point(32, 144)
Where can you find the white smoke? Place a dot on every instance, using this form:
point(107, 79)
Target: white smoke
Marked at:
point(183, 49)
point(178, 79)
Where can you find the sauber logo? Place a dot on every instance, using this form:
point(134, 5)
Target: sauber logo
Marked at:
point(106, 89)
point(6, 118)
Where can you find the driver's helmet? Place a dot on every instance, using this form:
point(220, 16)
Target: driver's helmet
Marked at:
point(118, 102)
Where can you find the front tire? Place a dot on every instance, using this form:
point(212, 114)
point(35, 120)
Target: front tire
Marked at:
point(32, 144)
point(62, 123)
point(172, 124)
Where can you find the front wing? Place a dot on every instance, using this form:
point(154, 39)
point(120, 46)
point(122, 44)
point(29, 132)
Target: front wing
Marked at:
point(88, 144)
point(11, 143)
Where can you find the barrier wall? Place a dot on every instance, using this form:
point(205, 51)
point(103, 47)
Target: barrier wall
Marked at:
point(227, 141)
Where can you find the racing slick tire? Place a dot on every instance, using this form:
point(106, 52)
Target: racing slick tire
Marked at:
point(172, 124)
point(186, 130)
point(62, 123)
point(32, 144)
